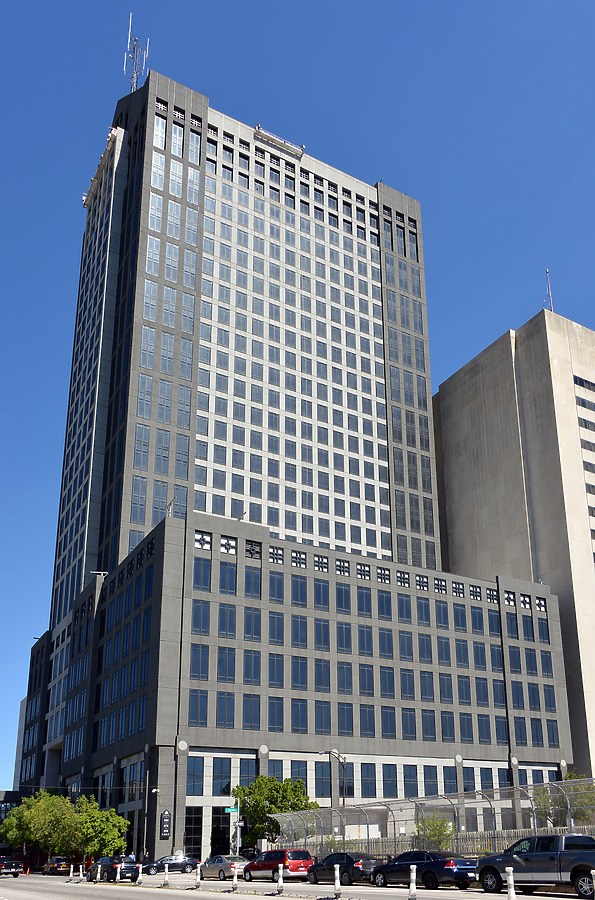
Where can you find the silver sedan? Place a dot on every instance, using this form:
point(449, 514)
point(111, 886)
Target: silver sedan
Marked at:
point(222, 867)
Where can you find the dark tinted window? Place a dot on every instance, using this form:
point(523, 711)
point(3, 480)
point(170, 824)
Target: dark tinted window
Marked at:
point(545, 844)
point(579, 842)
point(298, 854)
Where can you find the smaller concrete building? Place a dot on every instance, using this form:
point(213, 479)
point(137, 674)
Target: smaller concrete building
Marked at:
point(515, 432)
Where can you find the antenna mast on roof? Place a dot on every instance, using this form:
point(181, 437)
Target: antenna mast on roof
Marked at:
point(135, 58)
point(549, 290)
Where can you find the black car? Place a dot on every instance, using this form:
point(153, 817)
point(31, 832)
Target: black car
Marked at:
point(352, 867)
point(106, 869)
point(174, 864)
point(434, 867)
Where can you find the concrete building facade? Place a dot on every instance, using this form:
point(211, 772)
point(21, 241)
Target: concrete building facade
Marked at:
point(515, 428)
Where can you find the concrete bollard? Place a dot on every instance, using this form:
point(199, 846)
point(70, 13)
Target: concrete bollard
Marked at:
point(139, 880)
point(166, 874)
point(234, 881)
point(118, 867)
point(81, 871)
point(337, 881)
point(510, 882)
point(98, 877)
point(280, 880)
point(197, 882)
point(412, 884)
point(71, 876)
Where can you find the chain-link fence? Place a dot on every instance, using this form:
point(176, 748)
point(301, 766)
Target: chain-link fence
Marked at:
point(473, 822)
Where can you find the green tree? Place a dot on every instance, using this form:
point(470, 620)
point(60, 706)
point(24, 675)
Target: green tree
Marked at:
point(99, 832)
point(15, 829)
point(59, 826)
point(436, 831)
point(265, 796)
point(550, 802)
point(45, 819)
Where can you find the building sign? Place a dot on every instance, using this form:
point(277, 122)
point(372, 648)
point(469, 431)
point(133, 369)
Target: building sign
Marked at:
point(165, 825)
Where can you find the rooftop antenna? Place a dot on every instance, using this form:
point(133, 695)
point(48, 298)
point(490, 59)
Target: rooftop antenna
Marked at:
point(135, 58)
point(549, 290)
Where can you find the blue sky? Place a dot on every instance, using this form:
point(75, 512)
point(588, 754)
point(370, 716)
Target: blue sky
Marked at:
point(480, 110)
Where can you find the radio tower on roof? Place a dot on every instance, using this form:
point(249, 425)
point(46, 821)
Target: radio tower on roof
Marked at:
point(135, 58)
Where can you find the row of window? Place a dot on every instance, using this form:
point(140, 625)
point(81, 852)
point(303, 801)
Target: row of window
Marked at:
point(410, 775)
point(426, 724)
point(316, 594)
point(371, 679)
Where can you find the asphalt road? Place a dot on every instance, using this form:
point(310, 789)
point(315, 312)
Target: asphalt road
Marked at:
point(36, 887)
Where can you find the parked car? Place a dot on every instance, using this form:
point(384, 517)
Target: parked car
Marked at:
point(106, 869)
point(10, 866)
point(266, 865)
point(550, 859)
point(57, 865)
point(249, 853)
point(174, 864)
point(222, 867)
point(434, 867)
point(352, 867)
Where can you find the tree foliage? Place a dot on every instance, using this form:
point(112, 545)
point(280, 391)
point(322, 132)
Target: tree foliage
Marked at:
point(265, 796)
point(436, 831)
point(100, 832)
point(551, 804)
point(59, 826)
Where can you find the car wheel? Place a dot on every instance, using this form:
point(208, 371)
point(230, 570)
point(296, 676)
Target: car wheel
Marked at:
point(187, 868)
point(345, 878)
point(152, 870)
point(380, 879)
point(105, 877)
point(429, 881)
point(247, 875)
point(221, 875)
point(134, 879)
point(89, 878)
point(491, 881)
point(583, 885)
point(15, 874)
point(527, 890)
point(312, 877)
point(463, 885)
point(275, 875)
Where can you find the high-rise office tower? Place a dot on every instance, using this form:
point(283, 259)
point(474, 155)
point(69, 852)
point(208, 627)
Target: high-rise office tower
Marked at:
point(517, 459)
point(249, 465)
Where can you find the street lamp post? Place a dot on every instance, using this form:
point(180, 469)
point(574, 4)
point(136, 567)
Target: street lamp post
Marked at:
point(342, 760)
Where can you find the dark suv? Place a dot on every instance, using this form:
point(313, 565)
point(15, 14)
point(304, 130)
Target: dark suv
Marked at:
point(266, 865)
point(352, 867)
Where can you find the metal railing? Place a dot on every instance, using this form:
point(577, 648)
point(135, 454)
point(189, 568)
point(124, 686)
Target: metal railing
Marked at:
point(472, 822)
